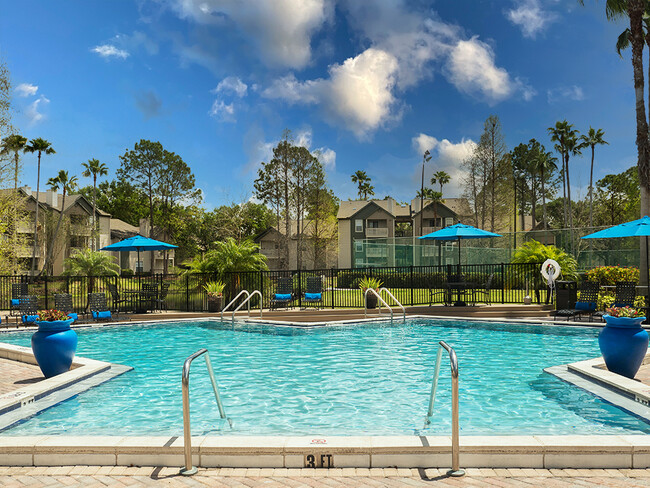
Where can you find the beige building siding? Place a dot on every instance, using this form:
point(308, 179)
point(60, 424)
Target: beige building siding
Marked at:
point(345, 244)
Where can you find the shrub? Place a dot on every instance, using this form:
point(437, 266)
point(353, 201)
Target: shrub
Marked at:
point(609, 275)
point(126, 273)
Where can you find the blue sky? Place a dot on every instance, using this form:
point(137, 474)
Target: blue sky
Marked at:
point(370, 85)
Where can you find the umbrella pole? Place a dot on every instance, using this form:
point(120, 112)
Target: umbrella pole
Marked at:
point(459, 272)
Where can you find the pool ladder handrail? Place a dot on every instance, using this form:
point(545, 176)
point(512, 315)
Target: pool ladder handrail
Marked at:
point(384, 289)
point(455, 428)
point(382, 301)
point(189, 470)
point(248, 301)
point(233, 301)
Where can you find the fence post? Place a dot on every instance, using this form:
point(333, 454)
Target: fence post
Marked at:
point(299, 289)
point(46, 294)
point(503, 283)
point(332, 286)
point(187, 292)
point(261, 289)
point(412, 285)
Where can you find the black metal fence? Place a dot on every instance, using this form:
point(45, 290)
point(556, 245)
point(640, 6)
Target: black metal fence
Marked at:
point(413, 285)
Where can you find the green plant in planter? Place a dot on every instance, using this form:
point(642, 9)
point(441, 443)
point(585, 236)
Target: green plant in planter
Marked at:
point(52, 315)
point(214, 289)
point(369, 282)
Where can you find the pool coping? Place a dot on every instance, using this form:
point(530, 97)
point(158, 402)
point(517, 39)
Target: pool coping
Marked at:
point(530, 451)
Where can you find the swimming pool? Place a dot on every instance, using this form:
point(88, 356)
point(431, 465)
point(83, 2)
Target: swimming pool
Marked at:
point(371, 378)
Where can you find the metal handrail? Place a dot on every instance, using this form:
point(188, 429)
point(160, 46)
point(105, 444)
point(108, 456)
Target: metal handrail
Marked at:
point(233, 301)
point(395, 300)
point(381, 300)
point(455, 427)
point(248, 301)
point(187, 433)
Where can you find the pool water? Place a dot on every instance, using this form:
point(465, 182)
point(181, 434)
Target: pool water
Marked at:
point(337, 380)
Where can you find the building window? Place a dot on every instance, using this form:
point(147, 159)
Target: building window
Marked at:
point(449, 221)
point(358, 246)
point(372, 224)
point(139, 266)
point(358, 225)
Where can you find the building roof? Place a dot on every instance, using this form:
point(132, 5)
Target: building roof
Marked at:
point(349, 208)
point(70, 200)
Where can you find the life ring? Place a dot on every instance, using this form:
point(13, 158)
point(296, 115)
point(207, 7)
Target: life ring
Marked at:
point(550, 277)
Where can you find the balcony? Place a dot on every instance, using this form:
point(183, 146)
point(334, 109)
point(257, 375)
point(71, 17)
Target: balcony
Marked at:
point(376, 231)
point(376, 252)
point(26, 252)
point(80, 230)
point(429, 230)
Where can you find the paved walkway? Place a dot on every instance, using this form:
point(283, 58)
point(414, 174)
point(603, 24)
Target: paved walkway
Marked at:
point(15, 374)
point(94, 476)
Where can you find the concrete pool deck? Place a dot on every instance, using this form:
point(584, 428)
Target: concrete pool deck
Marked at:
point(367, 452)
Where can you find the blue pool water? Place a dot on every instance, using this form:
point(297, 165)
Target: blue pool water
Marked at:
point(342, 380)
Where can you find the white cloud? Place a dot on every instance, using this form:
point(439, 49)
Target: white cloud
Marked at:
point(110, 51)
point(446, 156)
point(530, 17)
point(26, 90)
point(232, 85)
point(281, 30)
point(573, 92)
point(357, 93)
point(327, 157)
point(32, 112)
point(222, 111)
point(472, 70)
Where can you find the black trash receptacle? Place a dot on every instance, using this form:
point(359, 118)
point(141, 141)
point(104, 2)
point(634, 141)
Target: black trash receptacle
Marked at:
point(566, 295)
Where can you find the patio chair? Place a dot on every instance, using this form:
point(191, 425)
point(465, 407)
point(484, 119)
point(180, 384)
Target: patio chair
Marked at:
point(63, 302)
point(484, 291)
point(117, 300)
point(161, 299)
point(28, 308)
point(313, 294)
point(625, 294)
point(149, 295)
point(586, 305)
point(98, 306)
point(17, 290)
point(283, 295)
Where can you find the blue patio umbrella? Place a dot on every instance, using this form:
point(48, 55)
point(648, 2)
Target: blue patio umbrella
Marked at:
point(635, 228)
point(458, 232)
point(139, 243)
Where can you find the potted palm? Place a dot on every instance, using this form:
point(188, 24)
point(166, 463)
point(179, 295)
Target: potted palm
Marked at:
point(214, 289)
point(55, 343)
point(623, 341)
point(368, 282)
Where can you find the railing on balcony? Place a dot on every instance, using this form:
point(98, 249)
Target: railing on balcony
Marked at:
point(429, 230)
point(79, 230)
point(377, 232)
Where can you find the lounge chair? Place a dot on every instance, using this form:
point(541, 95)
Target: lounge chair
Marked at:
point(587, 303)
point(625, 295)
point(63, 302)
point(283, 295)
point(115, 295)
point(17, 290)
point(28, 309)
point(98, 306)
point(313, 294)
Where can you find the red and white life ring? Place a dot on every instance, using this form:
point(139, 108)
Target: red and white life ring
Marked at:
point(550, 271)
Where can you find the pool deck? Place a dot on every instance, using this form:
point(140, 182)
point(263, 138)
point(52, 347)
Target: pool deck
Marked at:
point(104, 476)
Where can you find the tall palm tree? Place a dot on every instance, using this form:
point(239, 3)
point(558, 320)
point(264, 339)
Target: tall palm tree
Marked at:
point(39, 146)
point(545, 163)
point(94, 168)
point(567, 145)
point(14, 143)
point(67, 184)
point(440, 177)
point(363, 182)
point(591, 139)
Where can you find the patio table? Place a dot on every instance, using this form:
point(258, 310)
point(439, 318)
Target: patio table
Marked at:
point(139, 300)
point(461, 289)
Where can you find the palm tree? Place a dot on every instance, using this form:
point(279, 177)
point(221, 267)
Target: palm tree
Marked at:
point(39, 146)
point(440, 177)
point(592, 138)
point(14, 143)
point(545, 163)
point(363, 182)
point(94, 168)
point(67, 185)
point(86, 262)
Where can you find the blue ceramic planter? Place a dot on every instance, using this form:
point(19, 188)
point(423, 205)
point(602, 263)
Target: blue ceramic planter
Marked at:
point(54, 345)
point(623, 343)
